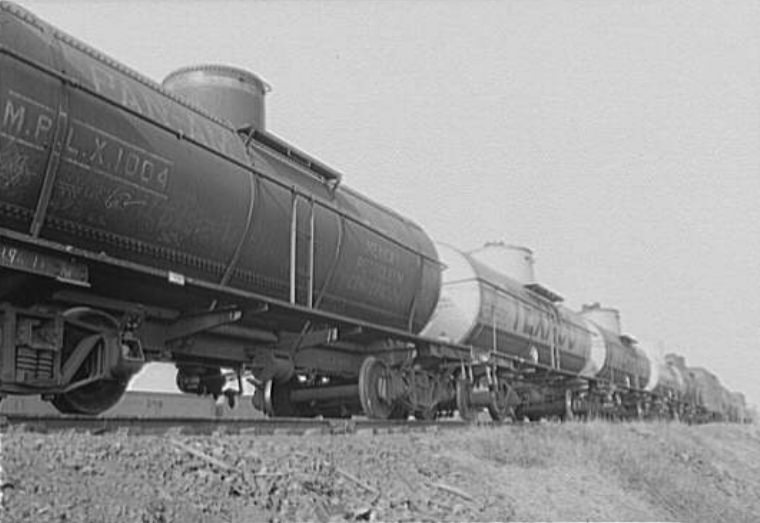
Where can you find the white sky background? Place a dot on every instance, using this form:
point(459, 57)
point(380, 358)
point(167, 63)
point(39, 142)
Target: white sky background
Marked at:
point(619, 139)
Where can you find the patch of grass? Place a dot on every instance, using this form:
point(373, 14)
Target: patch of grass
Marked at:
point(687, 472)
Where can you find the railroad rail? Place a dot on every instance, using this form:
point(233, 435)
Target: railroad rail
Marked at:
point(207, 426)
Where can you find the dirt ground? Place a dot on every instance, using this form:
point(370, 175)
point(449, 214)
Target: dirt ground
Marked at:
point(570, 472)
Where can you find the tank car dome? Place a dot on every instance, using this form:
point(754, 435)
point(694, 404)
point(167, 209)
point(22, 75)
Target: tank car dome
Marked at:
point(230, 93)
point(513, 260)
point(606, 317)
point(675, 360)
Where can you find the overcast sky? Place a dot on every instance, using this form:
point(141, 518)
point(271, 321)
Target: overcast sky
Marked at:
point(618, 139)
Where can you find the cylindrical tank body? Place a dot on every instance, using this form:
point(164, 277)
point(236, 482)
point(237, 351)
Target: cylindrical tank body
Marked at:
point(228, 92)
point(484, 308)
point(689, 389)
point(625, 363)
point(511, 260)
point(670, 382)
point(98, 157)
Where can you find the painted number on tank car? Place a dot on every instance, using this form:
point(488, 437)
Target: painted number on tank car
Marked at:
point(26, 121)
point(93, 149)
point(29, 123)
point(25, 127)
point(377, 274)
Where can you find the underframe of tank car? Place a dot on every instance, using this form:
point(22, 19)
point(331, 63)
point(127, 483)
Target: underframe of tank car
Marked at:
point(77, 347)
point(70, 324)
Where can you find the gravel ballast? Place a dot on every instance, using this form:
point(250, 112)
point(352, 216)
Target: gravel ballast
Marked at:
point(547, 472)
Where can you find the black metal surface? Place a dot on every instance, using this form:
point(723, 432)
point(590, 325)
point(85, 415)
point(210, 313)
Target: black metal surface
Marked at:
point(23, 258)
point(139, 173)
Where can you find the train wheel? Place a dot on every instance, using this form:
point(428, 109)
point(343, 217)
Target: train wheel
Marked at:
point(428, 414)
point(85, 326)
point(399, 412)
point(91, 399)
point(374, 382)
point(568, 415)
point(464, 401)
point(499, 408)
point(277, 403)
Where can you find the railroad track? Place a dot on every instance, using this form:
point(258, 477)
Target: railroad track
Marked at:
point(207, 426)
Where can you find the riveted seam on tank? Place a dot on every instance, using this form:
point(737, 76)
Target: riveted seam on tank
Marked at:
point(136, 245)
point(134, 75)
point(15, 211)
point(34, 21)
point(23, 14)
point(161, 252)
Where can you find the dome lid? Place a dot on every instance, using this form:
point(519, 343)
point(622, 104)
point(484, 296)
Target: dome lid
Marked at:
point(514, 261)
point(228, 92)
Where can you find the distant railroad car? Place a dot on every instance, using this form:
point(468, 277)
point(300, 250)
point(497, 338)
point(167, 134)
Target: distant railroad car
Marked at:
point(484, 307)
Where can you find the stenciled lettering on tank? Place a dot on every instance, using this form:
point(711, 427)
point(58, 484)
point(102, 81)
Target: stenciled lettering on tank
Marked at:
point(537, 325)
point(526, 321)
point(74, 194)
point(25, 129)
point(83, 198)
point(567, 337)
point(376, 273)
point(92, 149)
point(27, 121)
point(153, 104)
point(14, 168)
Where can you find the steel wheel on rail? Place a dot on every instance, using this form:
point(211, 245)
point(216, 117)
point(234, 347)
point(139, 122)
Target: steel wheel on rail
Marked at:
point(399, 412)
point(499, 407)
point(428, 414)
point(374, 383)
point(277, 402)
point(91, 399)
point(464, 400)
point(95, 328)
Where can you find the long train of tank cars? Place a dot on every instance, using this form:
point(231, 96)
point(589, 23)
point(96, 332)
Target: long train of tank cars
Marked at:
point(143, 222)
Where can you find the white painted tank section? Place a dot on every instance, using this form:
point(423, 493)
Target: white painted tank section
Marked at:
point(606, 317)
point(655, 364)
point(597, 352)
point(512, 260)
point(456, 312)
point(679, 378)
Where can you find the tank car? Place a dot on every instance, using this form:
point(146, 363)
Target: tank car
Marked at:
point(668, 388)
point(490, 300)
point(142, 222)
point(707, 395)
point(737, 408)
point(703, 399)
